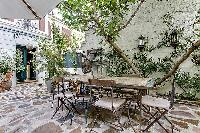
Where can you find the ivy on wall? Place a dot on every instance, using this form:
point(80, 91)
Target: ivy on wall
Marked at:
point(148, 66)
point(116, 66)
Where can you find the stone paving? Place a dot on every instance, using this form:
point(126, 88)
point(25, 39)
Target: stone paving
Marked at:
point(27, 109)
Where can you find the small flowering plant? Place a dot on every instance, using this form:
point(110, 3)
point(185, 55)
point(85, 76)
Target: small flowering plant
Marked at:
point(7, 63)
point(19, 61)
point(51, 53)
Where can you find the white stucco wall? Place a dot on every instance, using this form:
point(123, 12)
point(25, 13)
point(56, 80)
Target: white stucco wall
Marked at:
point(149, 23)
point(8, 45)
point(8, 41)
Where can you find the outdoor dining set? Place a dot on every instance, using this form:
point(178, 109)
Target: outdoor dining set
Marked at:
point(115, 95)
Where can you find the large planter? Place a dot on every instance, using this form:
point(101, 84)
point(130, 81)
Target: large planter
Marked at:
point(6, 81)
point(49, 85)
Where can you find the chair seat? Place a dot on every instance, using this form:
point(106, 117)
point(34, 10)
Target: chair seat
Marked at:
point(83, 98)
point(67, 95)
point(106, 103)
point(156, 102)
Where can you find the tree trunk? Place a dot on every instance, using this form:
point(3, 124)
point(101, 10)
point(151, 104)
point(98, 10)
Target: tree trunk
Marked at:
point(123, 55)
point(179, 62)
point(109, 39)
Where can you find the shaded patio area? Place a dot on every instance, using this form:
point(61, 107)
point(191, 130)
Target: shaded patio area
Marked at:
point(27, 109)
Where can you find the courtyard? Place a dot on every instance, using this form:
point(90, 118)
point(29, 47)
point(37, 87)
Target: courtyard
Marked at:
point(100, 66)
point(27, 109)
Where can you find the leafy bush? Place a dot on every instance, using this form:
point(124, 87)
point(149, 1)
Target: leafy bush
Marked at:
point(189, 84)
point(7, 63)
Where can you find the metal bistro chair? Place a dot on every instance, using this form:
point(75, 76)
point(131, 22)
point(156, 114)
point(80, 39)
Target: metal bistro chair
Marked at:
point(65, 99)
point(106, 98)
point(162, 107)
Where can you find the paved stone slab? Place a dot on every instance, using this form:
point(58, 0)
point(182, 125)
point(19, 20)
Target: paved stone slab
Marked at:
point(197, 112)
point(19, 129)
point(1, 130)
point(77, 130)
point(196, 130)
point(180, 123)
point(110, 130)
point(8, 109)
point(24, 106)
point(183, 108)
point(39, 102)
point(194, 107)
point(48, 128)
point(182, 114)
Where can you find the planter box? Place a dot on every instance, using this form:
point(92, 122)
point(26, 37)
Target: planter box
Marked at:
point(49, 85)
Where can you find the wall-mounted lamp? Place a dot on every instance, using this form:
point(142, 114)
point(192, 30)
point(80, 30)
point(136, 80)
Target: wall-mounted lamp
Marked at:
point(93, 53)
point(141, 44)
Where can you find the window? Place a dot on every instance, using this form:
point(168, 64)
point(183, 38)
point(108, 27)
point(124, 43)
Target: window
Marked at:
point(73, 60)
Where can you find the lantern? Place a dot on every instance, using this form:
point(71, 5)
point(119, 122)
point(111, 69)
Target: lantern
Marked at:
point(141, 44)
point(174, 38)
point(91, 54)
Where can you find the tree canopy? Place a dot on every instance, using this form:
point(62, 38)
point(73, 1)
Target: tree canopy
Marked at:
point(106, 17)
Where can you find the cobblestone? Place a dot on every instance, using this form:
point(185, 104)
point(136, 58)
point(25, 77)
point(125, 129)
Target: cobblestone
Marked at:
point(27, 109)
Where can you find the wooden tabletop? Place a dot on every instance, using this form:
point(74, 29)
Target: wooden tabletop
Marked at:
point(121, 82)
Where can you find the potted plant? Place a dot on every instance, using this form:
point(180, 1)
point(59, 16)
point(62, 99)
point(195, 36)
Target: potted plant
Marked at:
point(7, 63)
point(6, 68)
point(51, 54)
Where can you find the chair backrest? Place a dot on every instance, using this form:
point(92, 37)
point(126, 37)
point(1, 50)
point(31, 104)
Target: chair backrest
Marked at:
point(130, 75)
point(102, 83)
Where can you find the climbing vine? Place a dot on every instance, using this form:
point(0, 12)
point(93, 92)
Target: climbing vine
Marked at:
point(148, 66)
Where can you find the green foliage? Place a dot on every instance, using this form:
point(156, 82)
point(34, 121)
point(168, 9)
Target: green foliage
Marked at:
point(190, 85)
point(19, 61)
point(51, 53)
point(106, 17)
point(7, 63)
point(146, 65)
point(115, 66)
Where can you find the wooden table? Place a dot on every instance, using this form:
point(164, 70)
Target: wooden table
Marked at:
point(129, 83)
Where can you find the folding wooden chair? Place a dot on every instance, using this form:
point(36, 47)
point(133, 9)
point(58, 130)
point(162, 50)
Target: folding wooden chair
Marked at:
point(162, 107)
point(106, 99)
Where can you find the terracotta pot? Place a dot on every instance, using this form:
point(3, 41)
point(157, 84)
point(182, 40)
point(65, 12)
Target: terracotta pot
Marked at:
point(6, 82)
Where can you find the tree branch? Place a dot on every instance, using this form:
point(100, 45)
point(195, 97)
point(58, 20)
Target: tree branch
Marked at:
point(179, 62)
point(123, 56)
point(117, 48)
point(131, 18)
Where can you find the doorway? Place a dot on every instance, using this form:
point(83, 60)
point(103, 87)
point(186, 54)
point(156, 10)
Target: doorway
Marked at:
point(26, 63)
point(31, 74)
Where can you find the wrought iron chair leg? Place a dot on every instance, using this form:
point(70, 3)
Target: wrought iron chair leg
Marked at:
point(172, 125)
point(57, 108)
point(153, 116)
point(156, 120)
point(62, 107)
point(65, 117)
point(73, 107)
